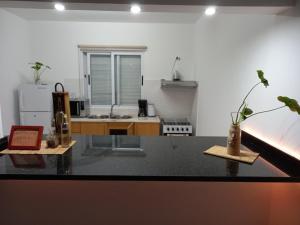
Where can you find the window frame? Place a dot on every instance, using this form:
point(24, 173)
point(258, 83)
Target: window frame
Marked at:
point(113, 83)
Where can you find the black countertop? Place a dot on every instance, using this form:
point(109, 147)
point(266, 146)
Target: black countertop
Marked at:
point(140, 158)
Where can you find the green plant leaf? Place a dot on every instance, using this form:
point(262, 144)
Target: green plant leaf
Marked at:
point(39, 63)
point(245, 113)
point(248, 111)
point(260, 74)
point(291, 103)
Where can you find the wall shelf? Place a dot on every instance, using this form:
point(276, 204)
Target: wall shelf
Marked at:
point(178, 84)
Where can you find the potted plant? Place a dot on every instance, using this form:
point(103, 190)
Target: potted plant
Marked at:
point(244, 112)
point(38, 69)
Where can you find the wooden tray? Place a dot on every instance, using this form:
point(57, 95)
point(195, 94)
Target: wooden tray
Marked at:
point(220, 151)
point(43, 151)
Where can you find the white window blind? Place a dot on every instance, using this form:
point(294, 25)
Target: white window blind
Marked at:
point(101, 88)
point(128, 79)
point(115, 78)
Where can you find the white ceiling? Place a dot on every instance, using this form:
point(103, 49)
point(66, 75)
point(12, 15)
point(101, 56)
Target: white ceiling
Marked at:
point(120, 12)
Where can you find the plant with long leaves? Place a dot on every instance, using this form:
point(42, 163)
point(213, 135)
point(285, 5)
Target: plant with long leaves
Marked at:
point(244, 112)
point(39, 68)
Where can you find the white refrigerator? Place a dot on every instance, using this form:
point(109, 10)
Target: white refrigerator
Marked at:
point(35, 103)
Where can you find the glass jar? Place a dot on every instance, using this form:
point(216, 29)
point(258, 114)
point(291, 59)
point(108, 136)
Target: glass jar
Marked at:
point(52, 140)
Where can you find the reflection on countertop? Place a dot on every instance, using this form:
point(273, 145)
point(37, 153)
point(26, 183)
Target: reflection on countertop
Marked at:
point(142, 158)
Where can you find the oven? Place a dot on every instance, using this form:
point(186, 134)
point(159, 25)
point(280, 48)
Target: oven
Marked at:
point(176, 127)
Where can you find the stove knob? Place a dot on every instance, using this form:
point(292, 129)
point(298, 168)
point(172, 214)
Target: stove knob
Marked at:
point(182, 129)
point(168, 128)
point(172, 128)
point(187, 129)
point(177, 129)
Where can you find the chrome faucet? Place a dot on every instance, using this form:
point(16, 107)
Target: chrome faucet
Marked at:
point(111, 110)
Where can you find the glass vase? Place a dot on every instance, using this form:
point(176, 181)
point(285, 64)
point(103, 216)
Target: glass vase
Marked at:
point(37, 77)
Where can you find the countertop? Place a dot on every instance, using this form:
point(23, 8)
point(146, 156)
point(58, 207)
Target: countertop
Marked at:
point(159, 158)
point(155, 119)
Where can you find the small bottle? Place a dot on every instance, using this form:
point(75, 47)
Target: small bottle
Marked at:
point(65, 133)
point(53, 126)
point(52, 140)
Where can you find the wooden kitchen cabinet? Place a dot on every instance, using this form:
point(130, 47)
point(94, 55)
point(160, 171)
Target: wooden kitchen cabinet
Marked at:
point(93, 128)
point(76, 127)
point(147, 129)
point(111, 128)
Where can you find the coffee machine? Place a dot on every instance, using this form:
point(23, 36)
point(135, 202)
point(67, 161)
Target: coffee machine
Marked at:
point(143, 107)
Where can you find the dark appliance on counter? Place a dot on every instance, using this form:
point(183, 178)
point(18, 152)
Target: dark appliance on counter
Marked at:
point(143, 108)
point(3, 143)
point(176, 127)
point(79, 107)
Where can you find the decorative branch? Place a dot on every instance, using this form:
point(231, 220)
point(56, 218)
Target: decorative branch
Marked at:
point(270, 110)
point(232, 117)
point(244, 101)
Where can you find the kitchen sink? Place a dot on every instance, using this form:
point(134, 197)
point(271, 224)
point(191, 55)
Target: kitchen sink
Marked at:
point(126, 117)
point(115, 117)
point(120, 117)
point(103, 116)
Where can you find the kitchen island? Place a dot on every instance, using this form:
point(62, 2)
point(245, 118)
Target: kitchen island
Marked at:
point(145, 180)
point(141, 158)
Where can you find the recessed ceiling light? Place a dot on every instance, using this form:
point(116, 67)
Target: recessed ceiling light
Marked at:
point(210, 11)
point(59, 7)
point(135, 9)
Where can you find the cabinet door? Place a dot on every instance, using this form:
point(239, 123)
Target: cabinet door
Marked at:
point(130, 129)
point(93, 128)
point(147, 129)
point(118, 128)
point(76, 127)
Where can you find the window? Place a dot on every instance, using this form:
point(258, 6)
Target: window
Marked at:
point(115, 78)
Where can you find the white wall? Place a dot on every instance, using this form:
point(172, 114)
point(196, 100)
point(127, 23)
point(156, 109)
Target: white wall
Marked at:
point(14, 58)
point(221, 52)
point(230, 48)
point(55, 43)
